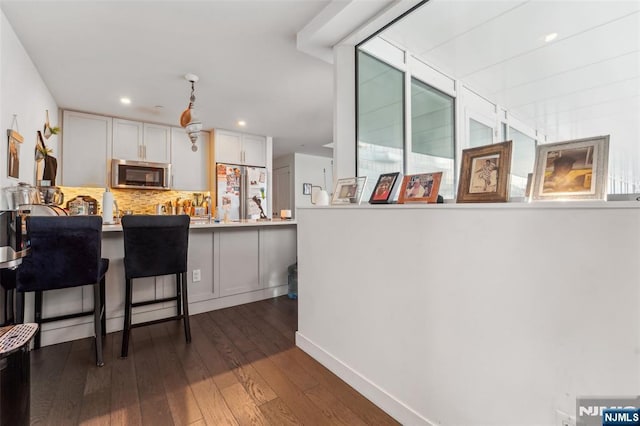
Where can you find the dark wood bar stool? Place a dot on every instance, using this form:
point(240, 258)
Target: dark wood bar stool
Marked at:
point(154, 246)
point(65, 252)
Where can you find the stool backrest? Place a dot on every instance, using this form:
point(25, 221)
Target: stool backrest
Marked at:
point(155, 245)
point(65, 252)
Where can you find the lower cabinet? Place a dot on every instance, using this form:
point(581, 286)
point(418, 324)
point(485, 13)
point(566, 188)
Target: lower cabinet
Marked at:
point(232, 265)
point(237, 254)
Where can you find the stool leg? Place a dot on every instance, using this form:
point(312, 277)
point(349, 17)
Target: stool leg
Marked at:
point(178, 295)
point(103, 310)
point(97, 322)
point(127, 319)
point(38, 318)
point(185, 306)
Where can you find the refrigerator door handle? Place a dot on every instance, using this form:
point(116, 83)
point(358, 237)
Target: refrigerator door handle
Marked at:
point(243, 191)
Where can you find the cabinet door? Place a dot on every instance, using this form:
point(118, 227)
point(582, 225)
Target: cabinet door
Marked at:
point(277, 253)
point(254, 148)
point(189, 169)
point(238, 260)
point(157, 143)
point(127, 139)
point(228, 146)
point(86, 142)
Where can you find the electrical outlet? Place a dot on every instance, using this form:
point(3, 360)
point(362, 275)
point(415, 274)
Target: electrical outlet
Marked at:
point(195, 276)
point(563, 419)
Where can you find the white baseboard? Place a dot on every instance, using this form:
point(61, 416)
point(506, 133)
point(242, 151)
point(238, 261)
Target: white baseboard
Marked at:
point(80, 328)
point(370, 390)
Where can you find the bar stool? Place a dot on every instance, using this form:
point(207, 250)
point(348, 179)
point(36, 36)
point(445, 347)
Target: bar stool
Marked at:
point(65, 252)
point(154, 246)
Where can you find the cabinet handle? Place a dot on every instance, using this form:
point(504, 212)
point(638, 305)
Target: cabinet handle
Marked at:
point(144, 150)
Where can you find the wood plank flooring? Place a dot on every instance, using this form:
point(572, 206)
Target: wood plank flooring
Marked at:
point(242, 368)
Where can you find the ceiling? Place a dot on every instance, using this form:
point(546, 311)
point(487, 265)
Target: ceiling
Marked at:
point(91, 53)
point(585, 82)
point(249, 57)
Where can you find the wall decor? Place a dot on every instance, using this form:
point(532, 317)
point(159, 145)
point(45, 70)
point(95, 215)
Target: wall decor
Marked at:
point(385, 189)
point(13, 153)
point(306, 189)
point(349, 190)
point(484, 174)
point(420, 188)
point(571, 170)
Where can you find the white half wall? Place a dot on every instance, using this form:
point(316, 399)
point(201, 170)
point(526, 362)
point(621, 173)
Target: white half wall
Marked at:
point(494, 315)
point(23, 93)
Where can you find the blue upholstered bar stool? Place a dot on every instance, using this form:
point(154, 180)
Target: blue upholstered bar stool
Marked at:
point(154, 246)
point(65, 252)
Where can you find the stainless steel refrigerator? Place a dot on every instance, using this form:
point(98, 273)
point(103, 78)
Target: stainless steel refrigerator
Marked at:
point(241, 191)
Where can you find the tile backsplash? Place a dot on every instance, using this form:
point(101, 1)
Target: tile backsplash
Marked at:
point(141, 201)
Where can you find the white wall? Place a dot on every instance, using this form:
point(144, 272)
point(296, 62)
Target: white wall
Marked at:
point(24, 93)
point(454, 314)
point(306, 168)
point(312, 169)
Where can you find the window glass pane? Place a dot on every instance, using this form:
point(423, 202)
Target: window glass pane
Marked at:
point(479, 134)
point(380, 119)
point(523, 156)
point(432, 130)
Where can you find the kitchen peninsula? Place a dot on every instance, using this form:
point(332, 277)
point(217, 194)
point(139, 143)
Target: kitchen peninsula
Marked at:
point(228, 264)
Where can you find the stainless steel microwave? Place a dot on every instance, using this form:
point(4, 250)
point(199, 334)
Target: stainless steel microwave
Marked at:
point(140, 174)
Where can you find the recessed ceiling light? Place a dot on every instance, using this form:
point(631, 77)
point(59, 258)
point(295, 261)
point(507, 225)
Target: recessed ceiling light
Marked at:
point(242, 123)
point(550, 37)
point(125, 101)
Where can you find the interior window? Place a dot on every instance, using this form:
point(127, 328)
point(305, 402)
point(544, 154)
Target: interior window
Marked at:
point(380, 125)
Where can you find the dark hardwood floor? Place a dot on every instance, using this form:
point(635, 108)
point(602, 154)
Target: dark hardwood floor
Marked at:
point(242, 367)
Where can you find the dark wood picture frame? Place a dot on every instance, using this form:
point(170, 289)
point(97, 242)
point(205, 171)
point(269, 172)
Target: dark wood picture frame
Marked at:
point(420, 188)
point(485, 173)
point(385, 188)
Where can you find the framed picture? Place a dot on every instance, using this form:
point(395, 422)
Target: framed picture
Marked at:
point(484, 174)
point(13, 154)
point(420, 188)
point(306, 189)
point(572, 170)
point(349, 190)
point(385, 188)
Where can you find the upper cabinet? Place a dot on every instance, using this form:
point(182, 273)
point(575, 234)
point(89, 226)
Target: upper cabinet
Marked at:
point(86, 140)
point(239, 148)
point(189, 168)
point(133, 140)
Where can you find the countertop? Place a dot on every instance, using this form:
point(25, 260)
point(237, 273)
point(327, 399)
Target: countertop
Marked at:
point(202, 224)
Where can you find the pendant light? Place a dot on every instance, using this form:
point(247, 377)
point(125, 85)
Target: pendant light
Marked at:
point(189, 118)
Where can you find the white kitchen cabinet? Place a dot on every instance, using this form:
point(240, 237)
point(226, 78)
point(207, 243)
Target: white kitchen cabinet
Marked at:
point(190, 171)
point(240, 148)
point(86, 142)
point(133, 140)
point(237, 261)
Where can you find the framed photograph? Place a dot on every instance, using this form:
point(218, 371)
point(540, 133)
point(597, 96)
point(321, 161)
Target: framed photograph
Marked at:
point(484, 174)
point(349, 190)
point(386, 186)
point(420, 188)
point(306, 189)
point(13, 154)
point(571, 170)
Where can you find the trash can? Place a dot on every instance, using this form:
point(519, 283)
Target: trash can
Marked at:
point(15, 373)
point(292, 281)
